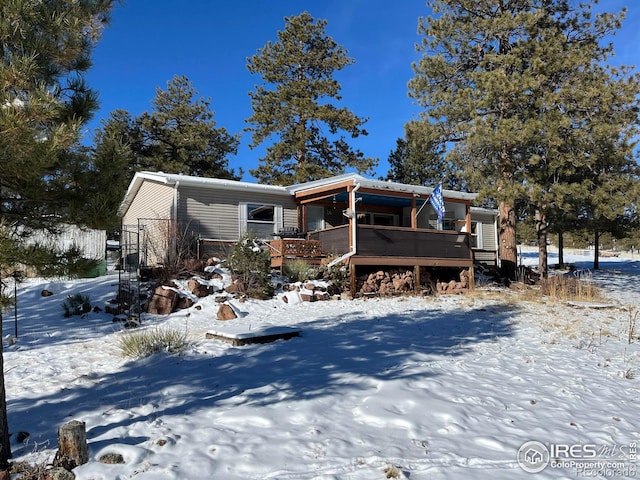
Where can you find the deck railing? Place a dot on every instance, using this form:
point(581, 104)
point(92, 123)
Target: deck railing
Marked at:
point(294, 248)
point(382, 241)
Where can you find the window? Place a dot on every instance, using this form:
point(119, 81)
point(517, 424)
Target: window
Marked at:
point(385, 219)
point(315, 218)
point(263, 220)
point(476, 235)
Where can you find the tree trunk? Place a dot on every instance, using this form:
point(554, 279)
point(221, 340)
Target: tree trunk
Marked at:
point(596, 252)
point(72, 445)
point(5, 445)
point(542, 235)
point(560, 250)
point(507, 235)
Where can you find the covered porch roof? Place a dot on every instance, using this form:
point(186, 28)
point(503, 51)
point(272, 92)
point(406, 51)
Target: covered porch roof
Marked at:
point(372, 191)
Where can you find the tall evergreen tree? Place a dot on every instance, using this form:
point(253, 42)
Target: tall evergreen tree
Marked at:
point(419, 160)
point(180, 135)
point(501, 80)
point(45, 50)
point(298, 110)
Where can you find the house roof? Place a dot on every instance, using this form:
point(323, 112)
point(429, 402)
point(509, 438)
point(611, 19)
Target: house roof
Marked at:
point(187, 180)
point(381, 185)
point(174, 180)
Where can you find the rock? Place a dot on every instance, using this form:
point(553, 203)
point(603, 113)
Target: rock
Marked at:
point(162, 302)
point(113, 309)
point(46, 293)
point(236, 287)
point(321, 296)
point(198, 288)
point(132, 323)
point(225, 312)
point(285, 299)
point(306, 297)
point(112, 458)
point(184, 302)
point(59, 473)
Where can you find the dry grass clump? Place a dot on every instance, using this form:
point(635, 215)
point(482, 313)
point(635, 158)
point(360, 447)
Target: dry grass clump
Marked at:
point(299, 270)
point(577, 289)
point(140, 344)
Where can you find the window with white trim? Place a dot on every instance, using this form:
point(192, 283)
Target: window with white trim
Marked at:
point(263, 220)
point(476, 234)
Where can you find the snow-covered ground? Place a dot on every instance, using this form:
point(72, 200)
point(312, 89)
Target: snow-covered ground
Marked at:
point(444, 387)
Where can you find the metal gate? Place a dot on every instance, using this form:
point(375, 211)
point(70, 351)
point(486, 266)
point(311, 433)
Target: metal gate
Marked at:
point(151, 243)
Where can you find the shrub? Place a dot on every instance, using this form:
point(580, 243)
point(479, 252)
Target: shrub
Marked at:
point(299, 270)
point(251, 265)
point(337, 276)
point(76, 305)
point(140, 344)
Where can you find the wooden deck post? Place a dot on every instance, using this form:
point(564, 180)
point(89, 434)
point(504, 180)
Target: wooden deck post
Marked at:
point(303, 218)
point(352, 279)
point(414, 213)
point(416, 278)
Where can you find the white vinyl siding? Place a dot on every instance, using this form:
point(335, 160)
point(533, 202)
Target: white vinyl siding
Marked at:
point(486, 231)
point(153, 200)
point(216, 215)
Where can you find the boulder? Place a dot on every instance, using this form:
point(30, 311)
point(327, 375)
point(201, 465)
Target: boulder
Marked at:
point(321, 296)
point(308, 297)
point(163, 301)
point(113, 308)
point(236, 287)
point(198, 288)
point(46, 293)
point(59, 473)
point(225, 312)
point(184, 302)
point(111, 458)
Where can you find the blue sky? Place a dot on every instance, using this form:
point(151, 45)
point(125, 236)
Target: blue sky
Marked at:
point(208, 41)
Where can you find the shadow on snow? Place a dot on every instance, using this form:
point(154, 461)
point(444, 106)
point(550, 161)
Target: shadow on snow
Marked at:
point(333, 356)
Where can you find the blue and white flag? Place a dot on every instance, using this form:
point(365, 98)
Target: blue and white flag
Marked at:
point(437, 200)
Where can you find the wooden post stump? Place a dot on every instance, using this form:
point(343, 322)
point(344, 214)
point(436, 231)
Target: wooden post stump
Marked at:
point(72, 445)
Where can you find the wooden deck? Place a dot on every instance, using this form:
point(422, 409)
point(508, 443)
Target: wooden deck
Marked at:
point(398, 246)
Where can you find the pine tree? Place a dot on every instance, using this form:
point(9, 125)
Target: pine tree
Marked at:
point(180, 135)
point(298, 111)
point(419, 160)
point(502, 81)
point(45, 50)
